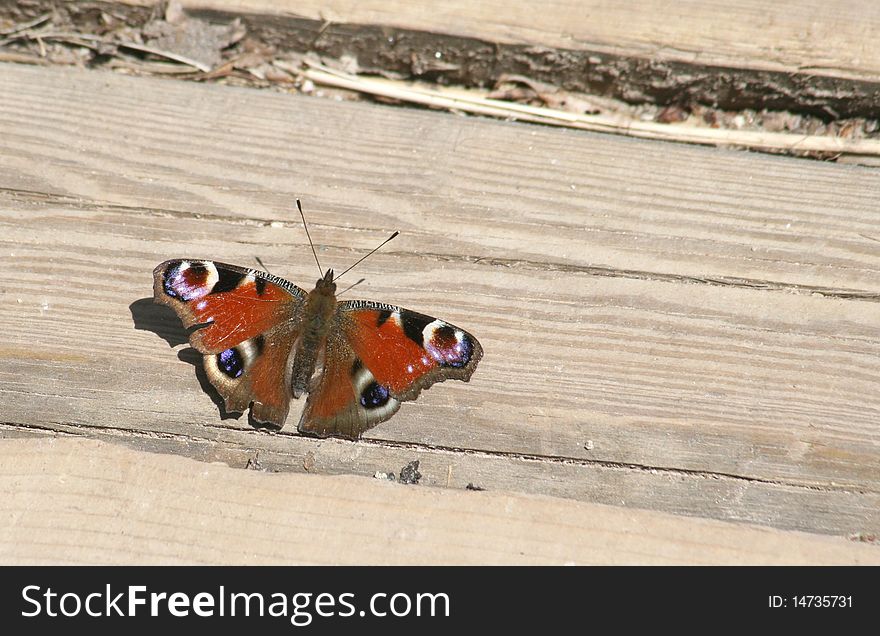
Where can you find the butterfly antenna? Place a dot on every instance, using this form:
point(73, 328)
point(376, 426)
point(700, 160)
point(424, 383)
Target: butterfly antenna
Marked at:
point(350, 286)
point(376, 249)
point(261, 264)
point(309, 236)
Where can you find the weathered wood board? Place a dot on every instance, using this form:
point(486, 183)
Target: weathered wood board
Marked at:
point(666, 327)
point(816, 56)
point(151, 509)
point(823, 36)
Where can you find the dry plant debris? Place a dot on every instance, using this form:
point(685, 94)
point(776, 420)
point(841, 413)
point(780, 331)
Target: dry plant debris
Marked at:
point(170, 42)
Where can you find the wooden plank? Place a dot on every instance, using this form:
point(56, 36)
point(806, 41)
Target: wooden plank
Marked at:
point(822, 36)
point(643, 381)
point(622, 357)
point(806, 56)
point(690, 493)
point(649, 211)
point(249, 517)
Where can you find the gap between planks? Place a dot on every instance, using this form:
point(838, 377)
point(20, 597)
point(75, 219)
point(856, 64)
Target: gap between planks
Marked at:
point(84, 431)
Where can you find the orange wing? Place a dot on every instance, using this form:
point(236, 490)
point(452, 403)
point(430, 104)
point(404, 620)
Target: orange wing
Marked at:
point(379, 356)
point(248, 323)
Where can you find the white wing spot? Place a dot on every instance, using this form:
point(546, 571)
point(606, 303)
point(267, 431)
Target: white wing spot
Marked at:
point(213, 276)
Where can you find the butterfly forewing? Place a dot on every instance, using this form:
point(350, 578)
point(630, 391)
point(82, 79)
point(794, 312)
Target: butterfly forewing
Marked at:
point(379, 356)
point(248, 325)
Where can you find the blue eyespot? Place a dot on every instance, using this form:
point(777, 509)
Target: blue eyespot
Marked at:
point(230, 363)
point(464, 350)
point(374, 396)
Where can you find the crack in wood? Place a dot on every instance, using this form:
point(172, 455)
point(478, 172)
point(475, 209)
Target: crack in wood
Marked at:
point(617, 465)
point(716, 281)
point(85, 430)
point(76, 429)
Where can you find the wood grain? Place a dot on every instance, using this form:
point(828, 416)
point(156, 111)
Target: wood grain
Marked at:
point(665, 327)
point(151, 509)
point(822, 36)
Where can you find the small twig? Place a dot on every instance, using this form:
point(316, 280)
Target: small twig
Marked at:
point(71, 38)
point(22, 58)
point(49, 35)
point(80, 39)
point(24, 26)
point(204, 68)
point(126, 61)
point(324, 26)
point(221, 71)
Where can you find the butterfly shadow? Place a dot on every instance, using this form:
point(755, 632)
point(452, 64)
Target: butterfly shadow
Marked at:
point(162, 321)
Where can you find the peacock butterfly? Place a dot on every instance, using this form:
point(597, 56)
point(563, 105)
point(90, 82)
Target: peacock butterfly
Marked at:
point(265, 340)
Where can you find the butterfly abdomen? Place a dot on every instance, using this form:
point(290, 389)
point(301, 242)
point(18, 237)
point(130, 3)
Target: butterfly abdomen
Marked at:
point(316, 323)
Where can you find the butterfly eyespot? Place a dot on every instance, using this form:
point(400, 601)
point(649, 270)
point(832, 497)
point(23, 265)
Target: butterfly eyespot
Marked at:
point(444, 337)
point(230, 362)
point(450, 347)
point(374, 396)
point(187, 281)
point(464, 350)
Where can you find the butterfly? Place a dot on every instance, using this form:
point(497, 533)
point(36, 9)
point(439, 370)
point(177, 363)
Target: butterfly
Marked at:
point(264, 341)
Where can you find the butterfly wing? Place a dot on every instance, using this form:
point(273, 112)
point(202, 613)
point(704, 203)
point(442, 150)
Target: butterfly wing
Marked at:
point(247, 323)
point(378, 356)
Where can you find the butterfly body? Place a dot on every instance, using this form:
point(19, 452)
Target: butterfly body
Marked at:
point(265, 341)
point(320, 305)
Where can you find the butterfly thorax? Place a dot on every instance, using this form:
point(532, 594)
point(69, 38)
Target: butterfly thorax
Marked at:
point(317, 319)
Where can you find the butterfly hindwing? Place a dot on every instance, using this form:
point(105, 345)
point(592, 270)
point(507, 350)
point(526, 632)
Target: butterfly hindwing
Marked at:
point(247, 323)
point(378, 356)
point(345, 400)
